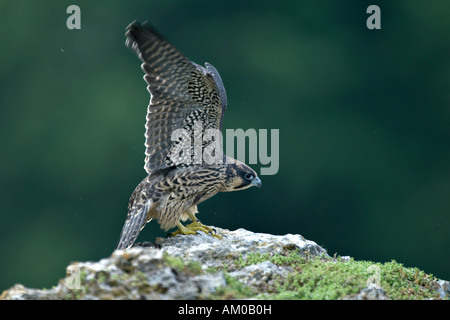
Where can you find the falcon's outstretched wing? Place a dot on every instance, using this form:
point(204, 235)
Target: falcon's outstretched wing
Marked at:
point(182, 92)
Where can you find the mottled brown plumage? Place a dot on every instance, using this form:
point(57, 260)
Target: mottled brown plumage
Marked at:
point(183, 95)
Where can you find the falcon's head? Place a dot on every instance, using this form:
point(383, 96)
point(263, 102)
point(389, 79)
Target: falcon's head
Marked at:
point(240, 176)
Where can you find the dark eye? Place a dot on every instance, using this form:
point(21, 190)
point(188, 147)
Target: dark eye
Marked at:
point(248, 176)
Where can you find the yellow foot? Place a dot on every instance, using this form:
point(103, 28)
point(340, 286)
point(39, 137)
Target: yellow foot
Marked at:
point(193, 228)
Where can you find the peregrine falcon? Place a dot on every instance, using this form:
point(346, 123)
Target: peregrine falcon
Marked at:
point(184, 97)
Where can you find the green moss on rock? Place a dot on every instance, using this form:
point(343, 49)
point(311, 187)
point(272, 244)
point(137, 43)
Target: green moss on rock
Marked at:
point(337, 278)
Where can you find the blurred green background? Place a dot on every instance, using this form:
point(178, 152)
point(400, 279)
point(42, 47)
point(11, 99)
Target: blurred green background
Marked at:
point(364, 120)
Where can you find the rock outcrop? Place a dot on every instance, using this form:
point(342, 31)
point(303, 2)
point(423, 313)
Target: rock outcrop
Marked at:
point(241, 265)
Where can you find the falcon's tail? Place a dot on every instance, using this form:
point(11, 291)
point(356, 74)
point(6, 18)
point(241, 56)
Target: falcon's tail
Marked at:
point(136, 220)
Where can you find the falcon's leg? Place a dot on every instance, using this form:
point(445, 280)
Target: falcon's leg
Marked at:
point(182, 230)
point(194, 227)
point(197, 224)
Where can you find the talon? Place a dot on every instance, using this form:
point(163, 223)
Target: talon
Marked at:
point(195, 228)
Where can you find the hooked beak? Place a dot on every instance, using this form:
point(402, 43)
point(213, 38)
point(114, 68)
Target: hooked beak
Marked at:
point(256, 182)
